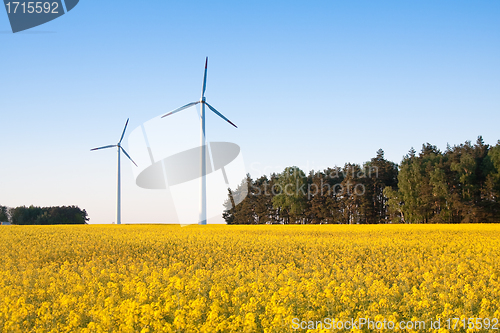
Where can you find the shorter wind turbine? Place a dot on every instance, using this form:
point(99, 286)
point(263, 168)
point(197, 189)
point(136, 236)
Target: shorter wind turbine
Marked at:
point(118, 190)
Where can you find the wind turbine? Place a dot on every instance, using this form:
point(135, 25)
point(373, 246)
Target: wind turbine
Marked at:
point(202, 101)
point(118, 190)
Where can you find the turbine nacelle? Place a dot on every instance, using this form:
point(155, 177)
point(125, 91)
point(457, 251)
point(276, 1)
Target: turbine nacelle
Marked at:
point(201, 101)
point(118, 144)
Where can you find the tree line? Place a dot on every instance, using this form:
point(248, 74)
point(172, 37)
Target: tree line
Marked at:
point(43, 215)
point(459, 185)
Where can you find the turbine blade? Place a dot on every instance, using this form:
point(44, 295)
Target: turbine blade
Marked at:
point(220, 114)
point(123, 131)
point(110, 146)
point(205, 79)
point(181, 108)
point(130, 158)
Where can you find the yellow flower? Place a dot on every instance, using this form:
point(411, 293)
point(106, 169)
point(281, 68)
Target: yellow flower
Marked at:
point(158, 278)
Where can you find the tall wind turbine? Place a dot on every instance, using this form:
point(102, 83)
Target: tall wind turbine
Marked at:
point(118, 190)
point(202, 101)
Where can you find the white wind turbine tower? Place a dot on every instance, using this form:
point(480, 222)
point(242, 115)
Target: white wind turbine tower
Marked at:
point(203, 198)
point(118, 190)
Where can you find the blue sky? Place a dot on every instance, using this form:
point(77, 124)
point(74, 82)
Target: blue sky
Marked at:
point(312, 84)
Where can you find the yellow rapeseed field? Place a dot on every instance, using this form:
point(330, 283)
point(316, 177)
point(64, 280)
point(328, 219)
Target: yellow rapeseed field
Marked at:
point(154, 278)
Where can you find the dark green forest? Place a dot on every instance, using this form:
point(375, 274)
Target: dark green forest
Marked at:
point(43, 215)
point(459, 185)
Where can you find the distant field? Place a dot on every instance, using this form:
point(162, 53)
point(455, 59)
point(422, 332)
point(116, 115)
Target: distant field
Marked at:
point(152, 278)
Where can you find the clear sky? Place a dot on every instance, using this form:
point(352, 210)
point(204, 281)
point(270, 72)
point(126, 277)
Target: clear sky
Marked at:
point(309, 83)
